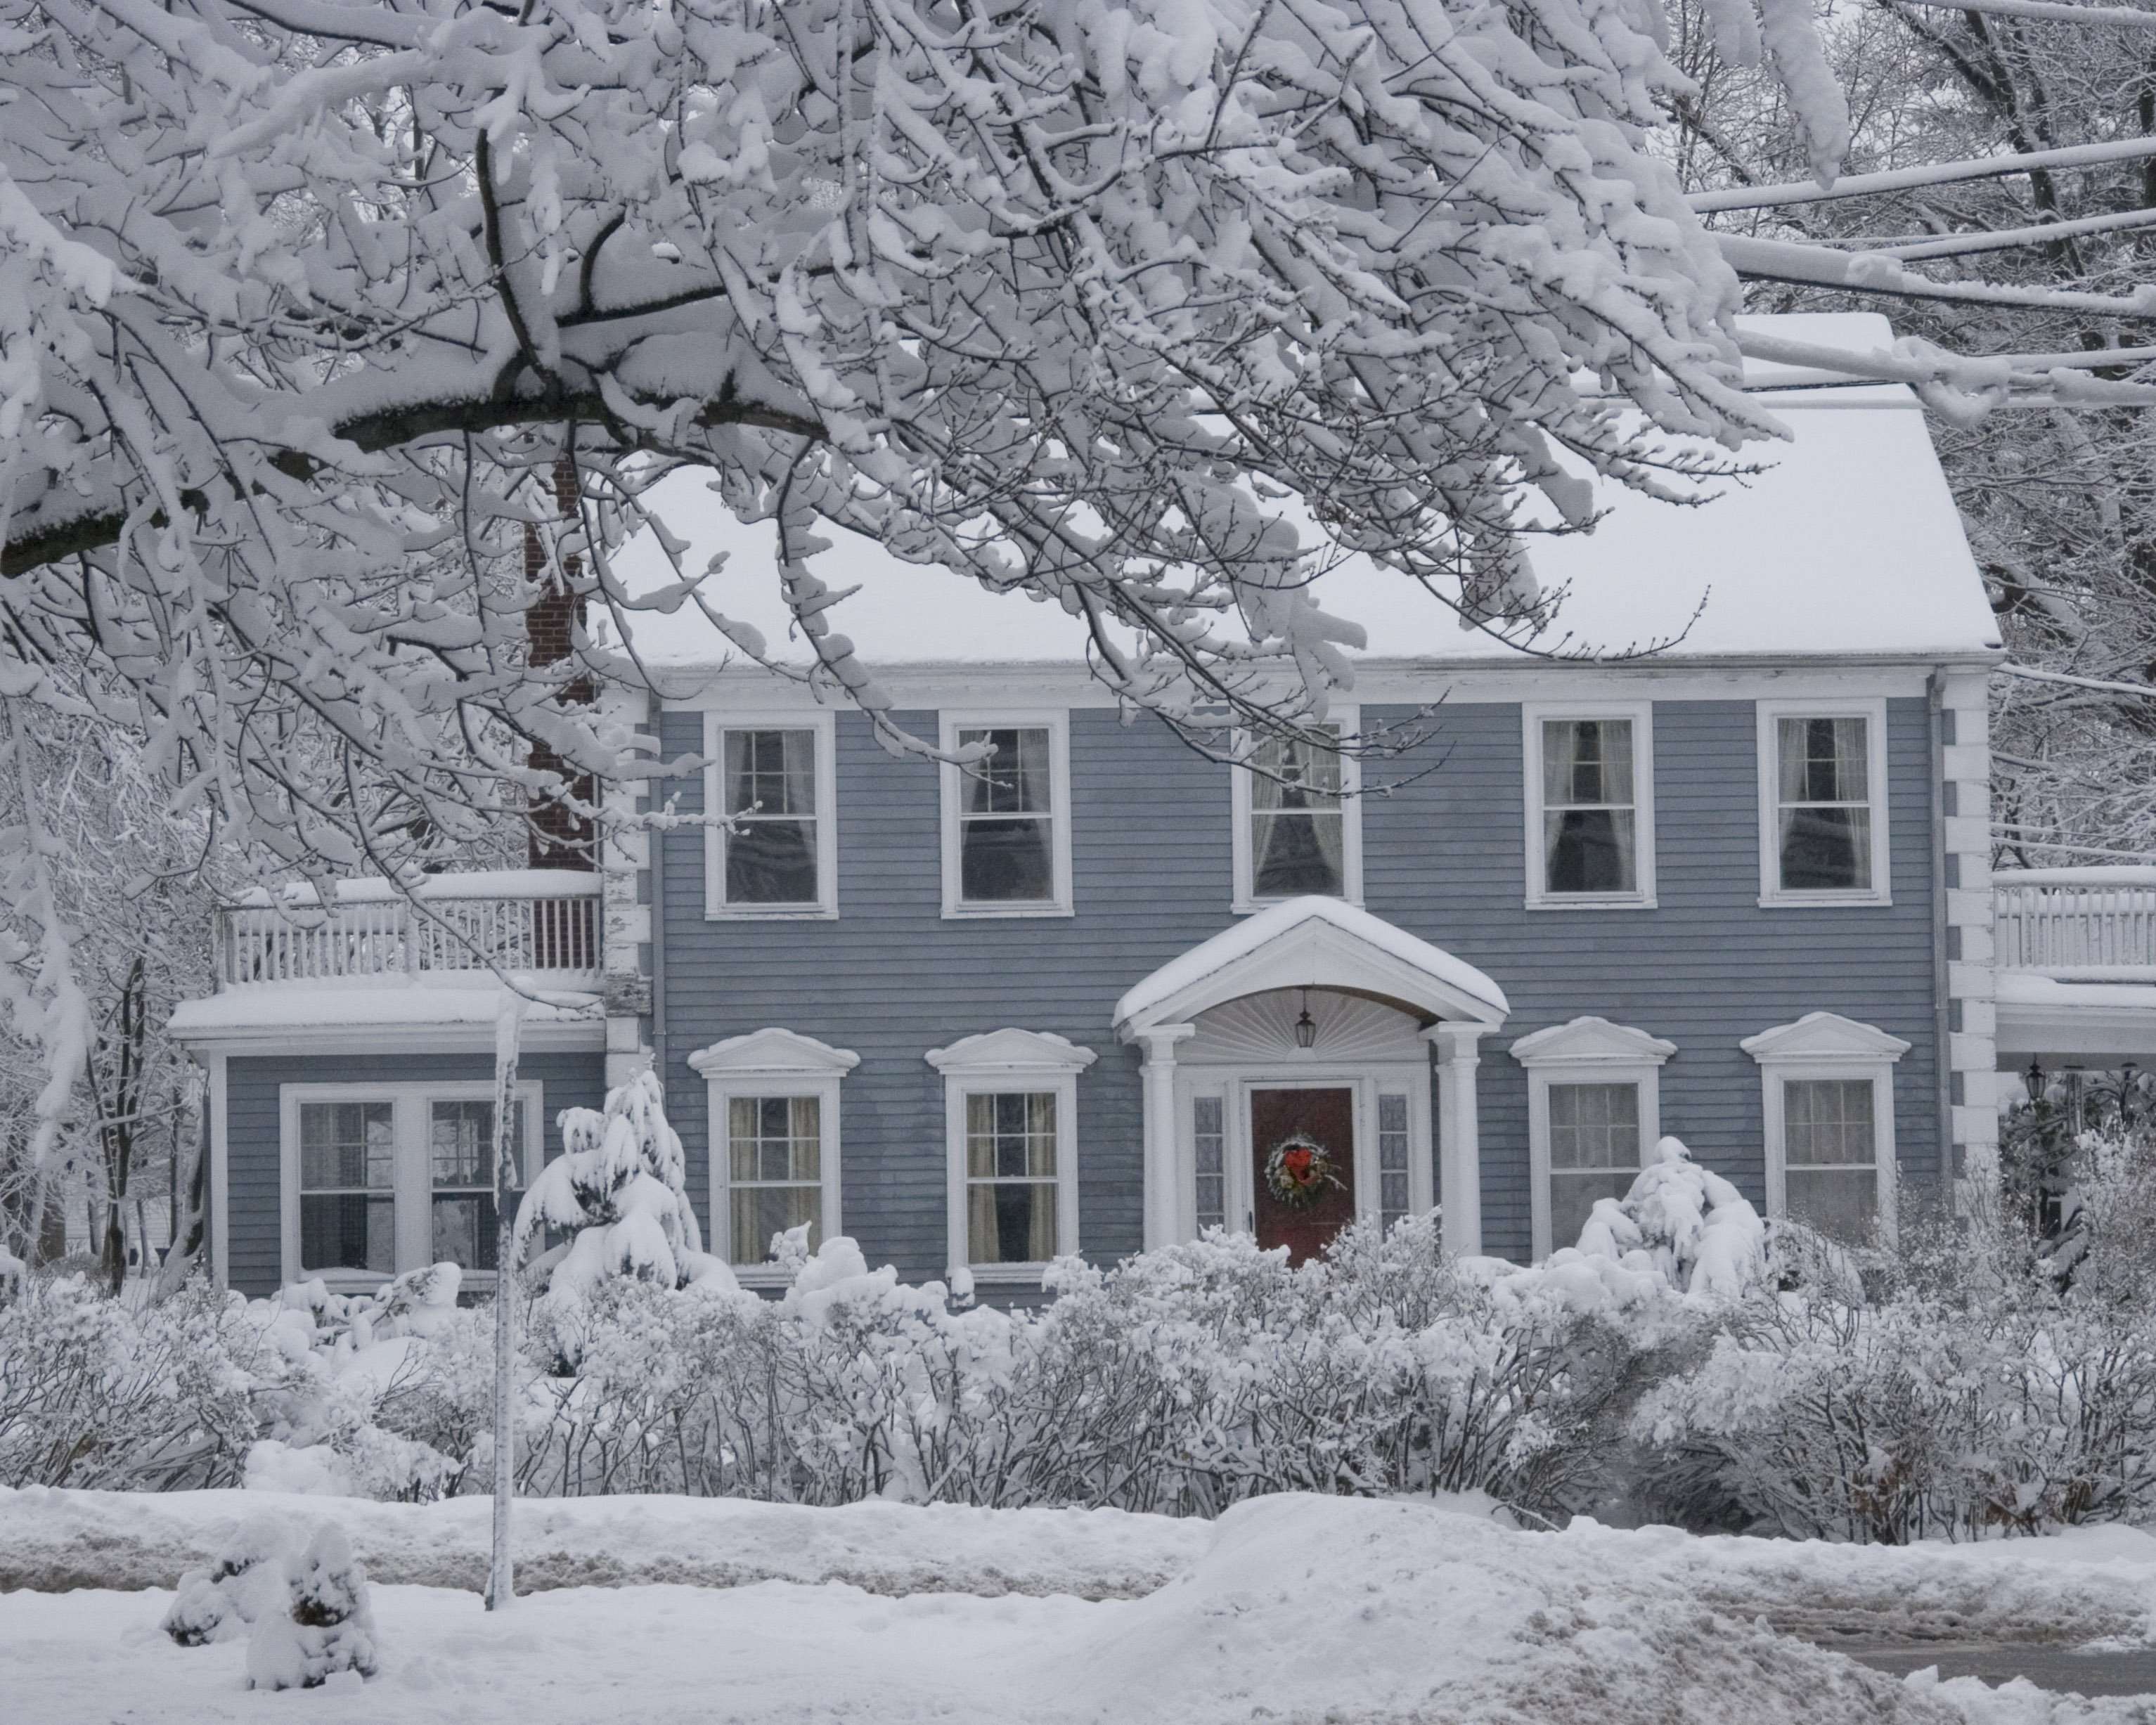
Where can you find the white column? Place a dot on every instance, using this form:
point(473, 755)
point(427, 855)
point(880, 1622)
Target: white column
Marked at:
point(1164, 1186)
point(1460, 1135)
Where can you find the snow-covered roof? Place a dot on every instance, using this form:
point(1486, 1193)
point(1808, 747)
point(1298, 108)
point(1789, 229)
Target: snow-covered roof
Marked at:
point(1848, 545)
point(1318, 943)
point(468, 883)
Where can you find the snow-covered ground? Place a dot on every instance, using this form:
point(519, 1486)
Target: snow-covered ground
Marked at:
point(1291, 1608)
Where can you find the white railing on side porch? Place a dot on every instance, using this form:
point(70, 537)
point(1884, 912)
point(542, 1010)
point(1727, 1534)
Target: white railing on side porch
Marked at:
point(2086, 925)
point(526, 920)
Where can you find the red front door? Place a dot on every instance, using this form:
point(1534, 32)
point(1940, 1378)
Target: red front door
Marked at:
point(1322, 1121)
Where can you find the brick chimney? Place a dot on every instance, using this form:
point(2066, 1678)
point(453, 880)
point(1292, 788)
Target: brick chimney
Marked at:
point(559, 835)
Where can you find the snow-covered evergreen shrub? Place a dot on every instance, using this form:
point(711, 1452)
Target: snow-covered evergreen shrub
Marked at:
point(1683, 1224)
point(220, 1603)
point(326, 1626)
point(96, 1394)
point(618, 1192)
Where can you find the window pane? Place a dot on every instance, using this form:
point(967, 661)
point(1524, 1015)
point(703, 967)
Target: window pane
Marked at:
point(1572, 1201)
point(759, 1212)
point(1587, 762)
point(347, 1145)
point(772, 862)
point(1293, 772)
point(464, 1231)
point(356, 1232)
point(1828, 1121)
point(774, 1138)
point(1825, 849)
point(1589, 850)
point(771, 773)
point(1005, 861)
point(1842, 1203)
point(1015, 780)
point(1012, 1222)
point(1294, 854)
point(1595, 1126)
point(461, 1143)
point(1208, 1141)
point(1825, 760)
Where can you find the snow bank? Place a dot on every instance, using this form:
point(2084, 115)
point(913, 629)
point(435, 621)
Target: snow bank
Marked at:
point(1297, 1608)
point(56, 1539)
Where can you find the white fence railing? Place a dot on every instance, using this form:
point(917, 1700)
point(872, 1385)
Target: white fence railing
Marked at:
point(2091, 924)
point(548, 921)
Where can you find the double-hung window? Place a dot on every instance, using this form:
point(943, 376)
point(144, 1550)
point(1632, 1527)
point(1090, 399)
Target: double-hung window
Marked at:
point(773, 850)
point(1590, 802)
point(1828, 1102)
point(1011, 1117)
point(1007, 815)
point(379, 1179)
point(1823, 803)
point(1298, 821)
point(1593, 1113)
point(773, 1101)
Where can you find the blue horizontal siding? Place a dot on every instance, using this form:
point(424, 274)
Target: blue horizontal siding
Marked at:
point(1442, 851)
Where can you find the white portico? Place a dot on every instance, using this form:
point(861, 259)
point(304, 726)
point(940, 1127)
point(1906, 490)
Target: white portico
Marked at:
point(1311, 1011)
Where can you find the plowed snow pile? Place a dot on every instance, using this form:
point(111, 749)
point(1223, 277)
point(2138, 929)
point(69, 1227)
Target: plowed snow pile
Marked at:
point(1290, 1609)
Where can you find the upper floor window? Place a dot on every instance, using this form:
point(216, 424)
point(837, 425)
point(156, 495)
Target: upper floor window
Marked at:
point(1823, 804)
point(773, 1107)
point(1298, 823)
point(379, 1179)
point(1590, 806)
point(775, 853)
point(1007, 816)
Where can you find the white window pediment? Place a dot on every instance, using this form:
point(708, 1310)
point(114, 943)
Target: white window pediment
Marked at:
point(1011, 1050)
point(1591, 1042)
point(773, 1052)
point(1826, 1037)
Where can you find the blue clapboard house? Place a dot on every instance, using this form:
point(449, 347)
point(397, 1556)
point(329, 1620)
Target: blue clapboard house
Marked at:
point(1105, 992)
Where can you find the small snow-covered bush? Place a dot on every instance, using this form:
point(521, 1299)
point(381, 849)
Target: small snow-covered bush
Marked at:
point(325, 1628)
point(248, 1578)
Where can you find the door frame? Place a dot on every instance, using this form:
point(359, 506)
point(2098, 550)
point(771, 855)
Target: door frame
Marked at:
point(1365, 1081)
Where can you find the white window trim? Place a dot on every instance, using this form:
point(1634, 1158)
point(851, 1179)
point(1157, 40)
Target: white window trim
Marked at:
point(1057, 723)
point(1587, 1050)
point(413, 1185)
point(1824, 1044)
point(825, 725)
point(770, 1062)
point(1007, 1060)
point(1873, 711)
point(1349, 720)
point(1641, 713)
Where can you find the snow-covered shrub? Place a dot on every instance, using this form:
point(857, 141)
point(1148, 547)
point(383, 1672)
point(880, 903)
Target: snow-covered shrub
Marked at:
point(94, 1394)
point(247, 1580)
point(326, 1627)
point(618, 1192)
point(1683, 1224)
point(1966, 1395)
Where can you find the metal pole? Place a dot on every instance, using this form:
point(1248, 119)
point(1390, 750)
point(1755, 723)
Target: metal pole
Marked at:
point(501, 1577)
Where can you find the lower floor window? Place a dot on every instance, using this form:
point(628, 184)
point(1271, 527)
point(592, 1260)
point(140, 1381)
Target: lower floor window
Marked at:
point(1830, 1151)
point(395, 1178)
point(348, 1186)
point(1594, 1152)
point(774, 1173)
point(1011, 1177)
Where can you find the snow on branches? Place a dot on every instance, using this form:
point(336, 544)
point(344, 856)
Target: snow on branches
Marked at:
point(618, 1189)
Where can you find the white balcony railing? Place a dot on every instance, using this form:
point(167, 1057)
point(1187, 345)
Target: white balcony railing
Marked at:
point(2085, 925)
point(529, 921)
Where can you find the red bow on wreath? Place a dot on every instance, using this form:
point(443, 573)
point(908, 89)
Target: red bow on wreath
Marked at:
point(1297, 1172)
